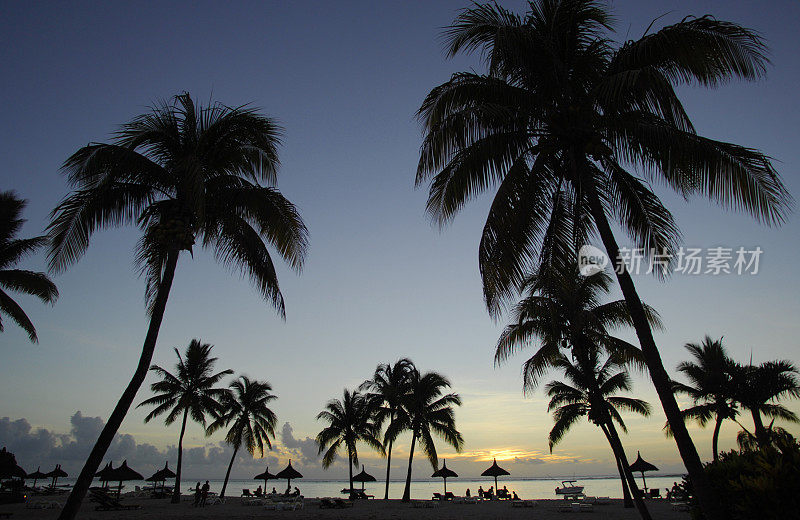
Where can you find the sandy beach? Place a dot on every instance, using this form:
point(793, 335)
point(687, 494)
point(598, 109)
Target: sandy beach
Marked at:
point(233, 509)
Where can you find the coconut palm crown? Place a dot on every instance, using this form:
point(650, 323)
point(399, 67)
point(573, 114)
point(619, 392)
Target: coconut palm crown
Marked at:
point(12, 251)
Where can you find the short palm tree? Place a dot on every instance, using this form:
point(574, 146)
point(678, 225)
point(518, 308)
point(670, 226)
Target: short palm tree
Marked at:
point(429, 411)
point(590, 395)
point(386, 391)
point(710, 386)
point(12, 251)
point(760, 387)
point(250, 421)
point(190, 391)
point(559, 124)
point(350, 421)
point(185, 174)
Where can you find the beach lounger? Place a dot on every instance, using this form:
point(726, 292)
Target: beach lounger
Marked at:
point(108, 503)
point(246, 493)
point(437, 496)
point(449, 495)
point(655, 493)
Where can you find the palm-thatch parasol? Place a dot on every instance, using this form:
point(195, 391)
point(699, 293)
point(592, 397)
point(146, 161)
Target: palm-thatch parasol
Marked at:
point(56, 474)
point(161, 476)
point(363, 477)
point(641, 466)
point(265, 477)
point(9, 467)
point(103, 473)
point(445, 473)
point(36, 475)
point(289, 473)
point(495, 471)
point(123, 473)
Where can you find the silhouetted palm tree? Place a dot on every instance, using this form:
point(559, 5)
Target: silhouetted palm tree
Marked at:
point(429, 411)
point(590, 395)
point(246, 409)
point(711, 387)
point(760, 387)
point(350, 421)
point(387, 389)
point(189, 391)
point(562, 309)
point(12, 251)
point(183, 173)
point(557, 124)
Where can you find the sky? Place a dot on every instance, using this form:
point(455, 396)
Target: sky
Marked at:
point(381, 282)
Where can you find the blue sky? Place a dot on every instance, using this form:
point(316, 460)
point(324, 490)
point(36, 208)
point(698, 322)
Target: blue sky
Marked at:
point(381, 282)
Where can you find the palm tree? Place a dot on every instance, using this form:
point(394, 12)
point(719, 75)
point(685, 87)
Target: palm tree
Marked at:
point(558, 124)
point(387, 388)
point(563, 310)
point(246, 409)
point(428, 411)
point(758, 390)
point(711, 387)
point(12, 251)
point(590, 395)
point(350, 421)
point(189, 391)
point(184, 174)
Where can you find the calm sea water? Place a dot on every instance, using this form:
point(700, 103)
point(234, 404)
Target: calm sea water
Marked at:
point(423, 489)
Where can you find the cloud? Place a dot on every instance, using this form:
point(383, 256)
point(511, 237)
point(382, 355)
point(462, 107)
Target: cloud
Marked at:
point(529, 460)
point(307, 449)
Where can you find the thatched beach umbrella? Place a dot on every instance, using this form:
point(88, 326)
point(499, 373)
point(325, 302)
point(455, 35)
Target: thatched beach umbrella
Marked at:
point(103, 473)
point(265, 477)
point(123, 473)
point(445, 473)
point(162, 475)
point(56, 474)
point(289, 473)
point(9, 467)
point(36, 475)
point(363, 477)
point(641, 466)
point(495, 471)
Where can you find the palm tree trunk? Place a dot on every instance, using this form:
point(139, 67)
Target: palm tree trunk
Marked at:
point(86, 475)
point(388, 467)
point(407, 491)
point(176, 493)
point(626, 494)
point(619, 451)
point(350, 467)
point(228, 473)
point(759, 429)
point(661, 380)
point(715, 438)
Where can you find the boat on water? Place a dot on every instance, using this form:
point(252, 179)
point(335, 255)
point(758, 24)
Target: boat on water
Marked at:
point(569, 487)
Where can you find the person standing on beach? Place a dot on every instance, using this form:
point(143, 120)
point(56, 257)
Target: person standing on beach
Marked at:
point(197, 495)
point(480, 491)
point(203, 498)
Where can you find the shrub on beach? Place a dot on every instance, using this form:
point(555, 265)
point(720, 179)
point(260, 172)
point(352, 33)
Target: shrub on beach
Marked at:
point(762, 483)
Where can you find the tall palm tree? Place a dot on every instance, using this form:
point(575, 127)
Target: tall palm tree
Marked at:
point(590, 395)
point(563, 310)
point(760, 387)
point(183, 173)
point(711, 387)
point(387, 389)
point(429, 411)
point(12, 251)
point(189, 391)
point(252, 423)
point(560, 122)
point(350, 421)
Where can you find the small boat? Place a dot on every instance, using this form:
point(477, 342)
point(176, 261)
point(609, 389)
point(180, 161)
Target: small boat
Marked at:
point(569, 487)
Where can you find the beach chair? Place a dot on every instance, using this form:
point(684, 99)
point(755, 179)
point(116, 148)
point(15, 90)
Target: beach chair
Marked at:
point(655, 493)
point(449, 495)
point(108, 503)
point(246, 493)
point(437, 496)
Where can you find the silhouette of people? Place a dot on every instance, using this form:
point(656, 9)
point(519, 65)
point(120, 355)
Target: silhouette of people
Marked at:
point(296, 492)
point(490, 492)
point(204, 496)
point(514, 496)
point(259, 491)
point(274, 491)
point(197, 494)
point(481, 492)
point(288, 490)
point(467, 493)
point(675, 491)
